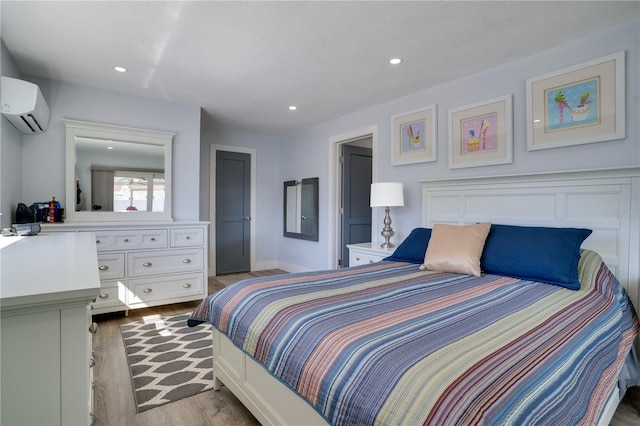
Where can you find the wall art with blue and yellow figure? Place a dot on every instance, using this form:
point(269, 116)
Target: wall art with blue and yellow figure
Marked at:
point(573, 105)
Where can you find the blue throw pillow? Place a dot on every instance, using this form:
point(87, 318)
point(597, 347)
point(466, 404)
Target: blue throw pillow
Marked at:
point(413, 248)
point(548, 255)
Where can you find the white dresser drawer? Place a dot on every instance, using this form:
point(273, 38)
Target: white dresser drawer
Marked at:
point(111, 294)
point(157, 288)
point(142, 264)
point(187, 237)
point(127, 240)
point(364, 253)
point(111, 266)
point(358, 258)
point(157, 253)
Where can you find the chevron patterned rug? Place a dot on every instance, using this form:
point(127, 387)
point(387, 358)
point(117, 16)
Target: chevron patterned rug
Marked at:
point(167, 360)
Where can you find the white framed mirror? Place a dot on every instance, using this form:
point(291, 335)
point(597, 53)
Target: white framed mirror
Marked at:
point(116, 173)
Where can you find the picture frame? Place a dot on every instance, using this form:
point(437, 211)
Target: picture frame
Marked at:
point(581, 104)
point(481, 134)
point(414, 136)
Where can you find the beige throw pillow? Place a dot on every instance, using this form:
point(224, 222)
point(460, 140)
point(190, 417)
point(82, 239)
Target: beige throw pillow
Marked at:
point(456, 249)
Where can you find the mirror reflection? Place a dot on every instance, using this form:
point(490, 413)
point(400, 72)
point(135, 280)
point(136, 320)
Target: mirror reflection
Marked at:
point(117, 176)
point(301, 209)
point(116, 173)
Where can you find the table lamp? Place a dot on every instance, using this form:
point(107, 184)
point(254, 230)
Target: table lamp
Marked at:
point(387, 194)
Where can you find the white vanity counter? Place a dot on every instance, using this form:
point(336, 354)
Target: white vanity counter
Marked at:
point(47, 283)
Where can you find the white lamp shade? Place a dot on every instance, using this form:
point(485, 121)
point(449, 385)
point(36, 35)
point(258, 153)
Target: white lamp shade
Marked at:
point(387, 194)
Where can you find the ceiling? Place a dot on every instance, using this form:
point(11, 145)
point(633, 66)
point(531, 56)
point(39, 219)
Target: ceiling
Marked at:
point(246, 62)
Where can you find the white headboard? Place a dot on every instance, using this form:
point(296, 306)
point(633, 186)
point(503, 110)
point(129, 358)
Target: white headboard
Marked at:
point(606, 201)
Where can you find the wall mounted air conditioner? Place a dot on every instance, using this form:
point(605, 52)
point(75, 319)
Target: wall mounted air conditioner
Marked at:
point(23, 105)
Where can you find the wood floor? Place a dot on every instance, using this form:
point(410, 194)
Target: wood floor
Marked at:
point(113, 395)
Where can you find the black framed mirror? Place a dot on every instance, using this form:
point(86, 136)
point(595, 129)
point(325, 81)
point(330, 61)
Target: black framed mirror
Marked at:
point(301, 209)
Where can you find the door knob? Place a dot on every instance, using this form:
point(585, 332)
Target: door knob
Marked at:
point(246, 218)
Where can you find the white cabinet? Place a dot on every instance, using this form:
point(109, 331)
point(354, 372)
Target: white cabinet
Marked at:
point(145, 265)
point(363, 253)
point(47, 283)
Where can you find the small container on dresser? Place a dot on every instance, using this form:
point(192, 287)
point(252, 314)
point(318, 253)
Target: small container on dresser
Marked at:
point(363, 253)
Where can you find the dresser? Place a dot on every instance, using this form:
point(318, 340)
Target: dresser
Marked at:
point(146, 264)
point(360, 254)
point(47, 283)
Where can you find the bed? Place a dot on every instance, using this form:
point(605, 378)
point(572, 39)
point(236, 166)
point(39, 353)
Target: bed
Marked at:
point(543, 335)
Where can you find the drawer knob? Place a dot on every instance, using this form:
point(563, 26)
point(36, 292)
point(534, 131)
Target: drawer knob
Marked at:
point(153, 238)
point(188, 237)
point(371, 261)
point(358, 259)
point(147, 290)
point(93, 328)
point(92, 362)
point(126, 240)
point(147, 264)
point(104, 295)
point(186, 285)
point(186, 261)
point(97, 241)
point(103, 267)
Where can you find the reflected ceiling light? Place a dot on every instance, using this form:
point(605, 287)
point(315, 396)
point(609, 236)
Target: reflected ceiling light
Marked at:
point(120, 69)
point(395, 61)
point(293, 107)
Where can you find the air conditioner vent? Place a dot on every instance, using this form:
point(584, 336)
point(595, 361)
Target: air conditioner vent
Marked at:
point(24, 106)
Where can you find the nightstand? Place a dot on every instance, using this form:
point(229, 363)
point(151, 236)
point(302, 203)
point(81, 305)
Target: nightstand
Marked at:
point(360, 254)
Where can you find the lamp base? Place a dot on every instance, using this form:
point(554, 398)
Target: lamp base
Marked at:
point(386, 245)
point(387, 231)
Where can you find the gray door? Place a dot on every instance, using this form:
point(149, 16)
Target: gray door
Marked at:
point(233, 191)
point(356, 190)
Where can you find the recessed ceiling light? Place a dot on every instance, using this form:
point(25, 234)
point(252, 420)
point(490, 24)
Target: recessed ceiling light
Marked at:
point(120, 69)
point(293, 107)
point(395, 61)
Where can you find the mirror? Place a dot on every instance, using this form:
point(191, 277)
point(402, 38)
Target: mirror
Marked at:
point(116, 173)
point(301, 209)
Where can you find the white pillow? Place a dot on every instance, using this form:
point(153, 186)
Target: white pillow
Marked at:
point(456, 249)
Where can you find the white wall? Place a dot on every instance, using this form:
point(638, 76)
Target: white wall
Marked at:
point(43, 163)
point(36, 164)
point(10, 153)
point(305, 154)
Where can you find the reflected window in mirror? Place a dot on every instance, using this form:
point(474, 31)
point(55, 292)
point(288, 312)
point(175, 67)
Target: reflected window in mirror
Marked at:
point(127, 190)
point(117, 173)
point(301, 209)
point(141, 191)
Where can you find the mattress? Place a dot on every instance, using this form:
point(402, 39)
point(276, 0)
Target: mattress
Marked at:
point(387, 343)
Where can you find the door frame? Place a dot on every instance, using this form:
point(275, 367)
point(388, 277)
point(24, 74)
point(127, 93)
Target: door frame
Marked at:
point(212, 203)
point(334, 180)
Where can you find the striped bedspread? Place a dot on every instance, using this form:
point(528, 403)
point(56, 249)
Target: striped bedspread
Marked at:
point(389, 344)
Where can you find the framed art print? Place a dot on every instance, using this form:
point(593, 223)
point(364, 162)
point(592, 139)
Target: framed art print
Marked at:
point(481, 134)
point(577, 105)
point(413, 136)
